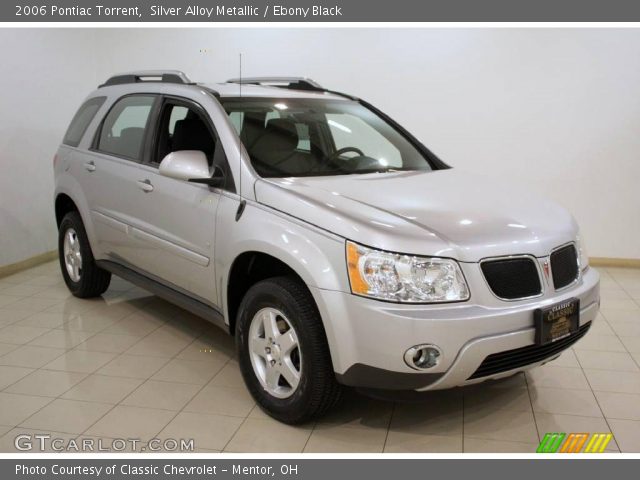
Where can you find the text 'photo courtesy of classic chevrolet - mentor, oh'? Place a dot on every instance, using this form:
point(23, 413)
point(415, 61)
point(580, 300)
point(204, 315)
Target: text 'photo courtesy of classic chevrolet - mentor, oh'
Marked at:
point(335, 247)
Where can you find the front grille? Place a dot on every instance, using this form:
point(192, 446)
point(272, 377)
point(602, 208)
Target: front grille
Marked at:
point(512, 278)
point(520, 357)
point(564, 266)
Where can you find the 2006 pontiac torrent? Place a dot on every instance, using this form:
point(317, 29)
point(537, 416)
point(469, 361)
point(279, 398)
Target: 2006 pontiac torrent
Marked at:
point(335, 247)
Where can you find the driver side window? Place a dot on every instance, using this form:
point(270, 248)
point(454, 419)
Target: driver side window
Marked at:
point(348, 130)
point(183, 128)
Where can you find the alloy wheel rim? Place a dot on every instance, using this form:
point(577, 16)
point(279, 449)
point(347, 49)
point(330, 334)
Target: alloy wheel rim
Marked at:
point(72, 255)
point(275, 354)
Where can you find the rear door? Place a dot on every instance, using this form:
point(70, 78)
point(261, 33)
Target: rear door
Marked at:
point(176, 219)
point(111, 176)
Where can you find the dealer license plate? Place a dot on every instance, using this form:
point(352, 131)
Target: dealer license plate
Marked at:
point(557, 321)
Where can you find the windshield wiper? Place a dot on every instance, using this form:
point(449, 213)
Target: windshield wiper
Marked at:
point(375, 170)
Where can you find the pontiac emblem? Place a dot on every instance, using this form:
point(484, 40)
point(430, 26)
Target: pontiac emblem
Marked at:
point(545, 268)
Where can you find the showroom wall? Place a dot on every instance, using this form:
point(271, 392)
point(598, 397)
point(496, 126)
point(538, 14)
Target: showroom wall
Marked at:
point(556, 111)
point(45, 75)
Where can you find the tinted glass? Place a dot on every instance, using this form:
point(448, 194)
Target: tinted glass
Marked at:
point(314, 137)
point(182, 128)
point(124, 127)
point(81, 121)
point(177, 113)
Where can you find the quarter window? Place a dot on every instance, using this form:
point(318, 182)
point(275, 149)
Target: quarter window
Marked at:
point(81, 121)
point(124, 127)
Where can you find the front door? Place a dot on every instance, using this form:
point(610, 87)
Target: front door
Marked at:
point(175, 219)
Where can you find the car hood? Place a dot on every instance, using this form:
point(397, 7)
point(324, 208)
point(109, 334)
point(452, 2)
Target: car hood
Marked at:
point(441, 213)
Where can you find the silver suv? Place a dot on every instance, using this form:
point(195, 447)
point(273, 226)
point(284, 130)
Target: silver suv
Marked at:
point(333, 244)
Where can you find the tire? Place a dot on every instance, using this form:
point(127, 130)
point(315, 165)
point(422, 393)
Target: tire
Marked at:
point(317, 390)
point(91, 281)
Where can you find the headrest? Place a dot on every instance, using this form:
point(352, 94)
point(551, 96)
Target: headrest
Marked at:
point(132, 132)
point(279, 135)
point(192, 134)
point(131, 141)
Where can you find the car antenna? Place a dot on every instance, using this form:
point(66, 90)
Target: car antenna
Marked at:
point(243, 202)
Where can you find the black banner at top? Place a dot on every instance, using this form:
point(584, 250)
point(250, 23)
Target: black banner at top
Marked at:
point(214, 11)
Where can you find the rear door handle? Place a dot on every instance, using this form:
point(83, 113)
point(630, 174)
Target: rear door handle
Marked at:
point(145, 185)
point(90, 166)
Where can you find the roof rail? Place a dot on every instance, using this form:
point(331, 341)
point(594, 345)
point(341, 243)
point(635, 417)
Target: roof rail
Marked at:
point(159, 76)
point(294, 83)
point(290, 83)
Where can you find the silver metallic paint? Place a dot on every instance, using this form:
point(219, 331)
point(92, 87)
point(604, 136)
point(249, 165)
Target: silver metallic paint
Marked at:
point(304, 222)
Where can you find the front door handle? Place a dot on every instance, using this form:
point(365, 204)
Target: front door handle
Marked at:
point(145, 185)
point(90, 166)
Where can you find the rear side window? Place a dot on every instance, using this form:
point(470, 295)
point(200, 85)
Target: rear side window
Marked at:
point(124, 127)
point(81, 121)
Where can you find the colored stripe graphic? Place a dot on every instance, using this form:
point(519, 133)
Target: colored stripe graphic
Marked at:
point(574, 443)
point(598, 443)
point(550, 442)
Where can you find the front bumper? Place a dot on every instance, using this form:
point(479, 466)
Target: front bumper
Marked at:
point(368, 338)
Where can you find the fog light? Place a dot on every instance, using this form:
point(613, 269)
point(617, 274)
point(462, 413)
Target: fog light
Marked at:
point(422, 357)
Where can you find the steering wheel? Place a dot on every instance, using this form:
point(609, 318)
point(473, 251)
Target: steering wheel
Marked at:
point(331, 159)
point(344, 150)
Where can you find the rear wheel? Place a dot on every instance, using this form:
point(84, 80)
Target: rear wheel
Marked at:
point(283, 351)
point(81, 274)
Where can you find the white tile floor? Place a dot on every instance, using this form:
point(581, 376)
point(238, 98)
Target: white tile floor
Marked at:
point(131, 365)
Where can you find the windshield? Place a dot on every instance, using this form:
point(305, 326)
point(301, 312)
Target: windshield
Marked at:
point(315, 137)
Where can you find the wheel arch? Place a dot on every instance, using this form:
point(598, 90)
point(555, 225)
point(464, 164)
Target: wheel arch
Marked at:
point(63, 205)
point(69, 196)
point(315, 257)
point(247, 269)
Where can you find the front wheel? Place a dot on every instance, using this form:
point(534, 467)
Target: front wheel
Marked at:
point(81, 274)
point(283, 351)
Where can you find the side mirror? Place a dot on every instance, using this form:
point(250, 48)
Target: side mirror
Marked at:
point(185, 165)
point(191, 166)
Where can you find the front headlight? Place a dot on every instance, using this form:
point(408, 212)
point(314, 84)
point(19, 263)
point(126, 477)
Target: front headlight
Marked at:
point(583, 258)
point(404, 278)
